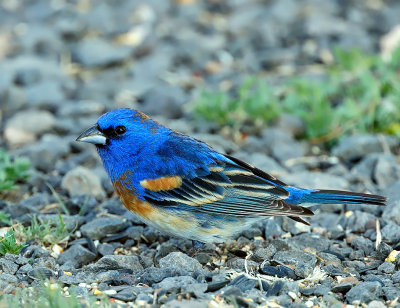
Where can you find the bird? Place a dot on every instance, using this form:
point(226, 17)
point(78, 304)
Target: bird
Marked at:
point(184, 188)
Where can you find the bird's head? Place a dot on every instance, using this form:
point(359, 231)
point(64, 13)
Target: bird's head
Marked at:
point(122, 135)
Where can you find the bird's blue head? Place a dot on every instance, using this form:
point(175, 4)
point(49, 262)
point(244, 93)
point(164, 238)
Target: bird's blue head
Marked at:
point(122, 136)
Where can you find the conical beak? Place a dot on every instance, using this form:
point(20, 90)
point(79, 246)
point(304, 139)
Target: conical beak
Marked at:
point(93, 135)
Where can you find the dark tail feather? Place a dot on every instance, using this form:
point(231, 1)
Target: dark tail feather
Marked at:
point(338, 196)
point(296, 218)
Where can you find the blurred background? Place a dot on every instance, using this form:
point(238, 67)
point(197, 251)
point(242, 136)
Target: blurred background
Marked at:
point(307, 90)
point(332, 66)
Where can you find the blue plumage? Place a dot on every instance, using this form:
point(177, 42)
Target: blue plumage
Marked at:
point(182, 186)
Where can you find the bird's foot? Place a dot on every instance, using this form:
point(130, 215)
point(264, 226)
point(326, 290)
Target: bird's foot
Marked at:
point(200, 247)
point(196, 246)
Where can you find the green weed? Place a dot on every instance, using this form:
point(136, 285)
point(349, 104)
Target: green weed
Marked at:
point(8, 244)
point(59, 200)
point(12, 171)
point(51, 295)
point(359, 93)
point(5, 218)
point(46, 232)
point(254, 103)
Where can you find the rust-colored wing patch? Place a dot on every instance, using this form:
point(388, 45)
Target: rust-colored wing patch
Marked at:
point(164, 183)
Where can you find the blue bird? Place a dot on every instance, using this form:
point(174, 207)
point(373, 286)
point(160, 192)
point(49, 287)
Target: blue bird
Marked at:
point(184, 188)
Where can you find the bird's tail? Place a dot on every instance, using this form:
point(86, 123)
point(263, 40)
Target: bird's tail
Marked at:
point(345, 197)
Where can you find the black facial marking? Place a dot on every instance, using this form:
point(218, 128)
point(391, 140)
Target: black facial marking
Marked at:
point(112, 132)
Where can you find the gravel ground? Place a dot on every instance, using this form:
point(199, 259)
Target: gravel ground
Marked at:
point(64, 63)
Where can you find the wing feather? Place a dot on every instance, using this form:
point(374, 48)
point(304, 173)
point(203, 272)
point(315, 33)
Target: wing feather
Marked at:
point(232, 188)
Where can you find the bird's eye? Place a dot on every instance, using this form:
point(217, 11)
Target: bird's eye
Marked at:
point(120, 130)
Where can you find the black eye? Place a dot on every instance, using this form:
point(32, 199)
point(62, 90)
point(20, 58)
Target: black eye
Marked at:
point(120, 130)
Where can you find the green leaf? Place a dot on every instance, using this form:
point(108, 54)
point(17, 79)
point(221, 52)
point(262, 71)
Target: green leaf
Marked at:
point(12, 171)
point(8, 244)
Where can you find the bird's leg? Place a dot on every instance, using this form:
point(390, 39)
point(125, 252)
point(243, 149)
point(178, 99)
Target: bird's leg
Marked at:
point(200, 247)
point(196, 247)
point(197, 244)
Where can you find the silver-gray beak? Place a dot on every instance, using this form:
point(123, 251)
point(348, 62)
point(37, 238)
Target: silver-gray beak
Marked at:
point(93, 135)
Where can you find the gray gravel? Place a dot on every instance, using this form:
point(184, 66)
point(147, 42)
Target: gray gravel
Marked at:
point(64, 64)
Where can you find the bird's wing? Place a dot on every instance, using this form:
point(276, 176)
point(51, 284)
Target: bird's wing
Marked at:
point(228, 187)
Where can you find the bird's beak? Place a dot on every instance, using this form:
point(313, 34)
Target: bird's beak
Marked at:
point(93, 135)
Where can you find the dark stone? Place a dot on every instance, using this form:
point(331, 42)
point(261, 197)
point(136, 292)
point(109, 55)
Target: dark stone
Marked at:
point(181, 261)
point(72, 222)
point(197, 289)
point(314, 180)
point(215, 286)
point(291, 123)
point(118, 278)
point(263, 254)
point(243, 283)
point(165, 249)
point(363, 244)
point(283, 152)
point(307, 291)
point(28, 206)
point(34, 251)
point(106, 249)
point(44, 154)
point(48, 262)
point(303, 262)
point(287, 286)
point(241, 264)
point(358, 221)
point(357, 255)
point(144, 298)
point(391, 293)
point(321, 290)
point(153, 275)
point(342, 287)
point(329, 257)
point(391, 232)
point(125, 296)
point(334, 269)
point(386, 170)
point(102, 226)
point(25, 269)
point(391, 213)
point(308, 240)
point(41, 273)
point(383, 250)
point(78, 255)
point(169, 101)
point(174, 284)
point(280, 245)
point(231, 291)
point(45, 94)
point(367, 269)
point(6, 280)
point(371, 277)
point(387, 267)
point(8, 267)
point(116, 262)
point(396, 277)
point(278, 271)
point(203, 257)
point(129, 293)
point(251, 233)
point(16, 258)
point(97, 52)
point(357, 146)
point(81, 204)
point(113, 206)
point(365, 292)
